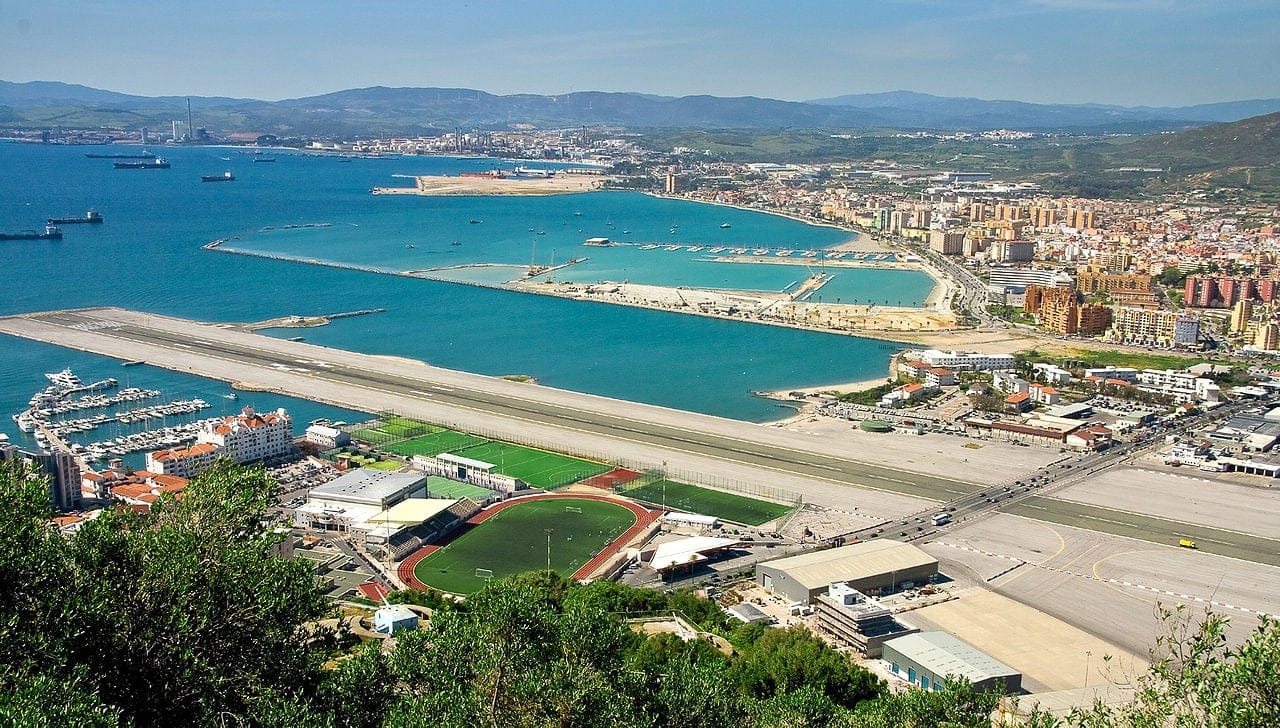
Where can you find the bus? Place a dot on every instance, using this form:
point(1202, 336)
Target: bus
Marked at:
point(941, 519)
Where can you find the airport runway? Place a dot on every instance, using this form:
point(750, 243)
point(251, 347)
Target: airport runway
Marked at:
point(560, 418)
point(295, 368)
point(1221, 541)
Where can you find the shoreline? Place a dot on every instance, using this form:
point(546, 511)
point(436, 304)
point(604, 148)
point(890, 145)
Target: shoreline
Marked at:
point(858, 235)
point(909, 330)
point(431, 185)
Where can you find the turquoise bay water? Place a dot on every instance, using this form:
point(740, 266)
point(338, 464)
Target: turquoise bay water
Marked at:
point(147, 256)
point(423, 233)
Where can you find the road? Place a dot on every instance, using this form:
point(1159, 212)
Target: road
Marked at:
point(1031, 497)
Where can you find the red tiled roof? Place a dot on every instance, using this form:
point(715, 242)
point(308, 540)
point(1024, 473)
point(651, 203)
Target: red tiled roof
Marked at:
point(1018, 397)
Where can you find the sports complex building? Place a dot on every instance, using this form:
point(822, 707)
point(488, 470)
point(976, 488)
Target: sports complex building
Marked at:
point(391, 510)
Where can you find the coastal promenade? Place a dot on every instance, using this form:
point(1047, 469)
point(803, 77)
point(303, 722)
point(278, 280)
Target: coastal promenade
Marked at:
point(641, 433)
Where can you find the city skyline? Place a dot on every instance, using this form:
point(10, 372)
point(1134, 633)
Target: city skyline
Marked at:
point(1135, 53)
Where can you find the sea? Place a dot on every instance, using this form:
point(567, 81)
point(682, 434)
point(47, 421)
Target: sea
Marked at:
point(147, 255)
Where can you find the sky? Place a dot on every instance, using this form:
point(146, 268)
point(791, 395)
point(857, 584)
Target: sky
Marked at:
point(1125, 52)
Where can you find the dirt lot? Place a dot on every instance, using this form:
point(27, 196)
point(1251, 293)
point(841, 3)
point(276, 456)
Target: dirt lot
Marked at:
point(1050, 654)
point(977, 461)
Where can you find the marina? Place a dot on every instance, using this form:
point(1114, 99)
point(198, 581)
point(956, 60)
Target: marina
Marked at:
point(66, 394)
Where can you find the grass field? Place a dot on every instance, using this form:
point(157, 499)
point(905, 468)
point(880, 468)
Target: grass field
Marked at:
point(729, 506)
point(438, 487)
point(435, 443)
point(538, 468)
point(515, 540)
point(393, 429)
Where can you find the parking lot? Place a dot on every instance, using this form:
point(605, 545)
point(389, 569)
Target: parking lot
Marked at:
point(302, 475)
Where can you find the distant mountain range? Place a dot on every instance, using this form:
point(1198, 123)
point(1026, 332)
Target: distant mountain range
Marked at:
point(381, 110)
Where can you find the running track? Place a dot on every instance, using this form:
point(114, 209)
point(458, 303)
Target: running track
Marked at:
point(644, 518)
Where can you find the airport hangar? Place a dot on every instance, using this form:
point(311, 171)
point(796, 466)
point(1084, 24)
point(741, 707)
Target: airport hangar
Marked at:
point(871, 567)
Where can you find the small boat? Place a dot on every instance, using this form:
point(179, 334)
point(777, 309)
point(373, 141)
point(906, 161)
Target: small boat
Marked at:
point(231, 395)
point(577, 214)
point(455, 243)
point(224, 177)
point(264, 159)
point(725, 226)
point(474, 221)
point(409, 246)
point(626, 232)
point(133, 363)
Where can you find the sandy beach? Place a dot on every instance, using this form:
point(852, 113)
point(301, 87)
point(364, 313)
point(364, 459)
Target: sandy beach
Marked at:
point(442, 185)
point(760, 307)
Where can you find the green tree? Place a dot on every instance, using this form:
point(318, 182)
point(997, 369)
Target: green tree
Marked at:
point(785, 660)
point(957, 705)
point(1197, 679)
point(171, 617)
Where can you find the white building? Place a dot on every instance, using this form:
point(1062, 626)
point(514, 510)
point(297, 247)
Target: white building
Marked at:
point(1124, 374)
point(1009, 383)
point(250, 436)
point(327, 437)
point(1052, 373)
point(184, 462)
point(961, 361)
point(1181, 385)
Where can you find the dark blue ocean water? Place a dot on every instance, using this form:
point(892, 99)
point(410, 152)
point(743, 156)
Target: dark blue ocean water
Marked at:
point(147, 256)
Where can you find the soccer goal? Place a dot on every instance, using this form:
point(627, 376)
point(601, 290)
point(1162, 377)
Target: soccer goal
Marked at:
point(485, 574)
point(573, 509)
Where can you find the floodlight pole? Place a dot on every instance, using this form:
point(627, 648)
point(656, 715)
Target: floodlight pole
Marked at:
point(549, 532)
point(664, 486)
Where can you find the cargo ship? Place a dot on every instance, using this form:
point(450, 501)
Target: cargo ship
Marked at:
point(155, 163)
point(90, 218)
point(224, 177)
point(51, 232)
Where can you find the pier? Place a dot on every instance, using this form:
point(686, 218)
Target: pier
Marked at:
point(300, 322)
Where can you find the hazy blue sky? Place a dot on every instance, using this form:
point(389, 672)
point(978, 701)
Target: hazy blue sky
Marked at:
point(1133, 52)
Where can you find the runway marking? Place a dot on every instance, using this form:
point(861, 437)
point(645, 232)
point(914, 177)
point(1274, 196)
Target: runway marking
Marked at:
point(1105, 580)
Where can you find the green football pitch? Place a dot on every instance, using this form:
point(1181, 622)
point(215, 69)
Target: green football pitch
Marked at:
point(515, 540)
point(729, 506)
point(538, 468)
point(435, 443)
point(438, 487)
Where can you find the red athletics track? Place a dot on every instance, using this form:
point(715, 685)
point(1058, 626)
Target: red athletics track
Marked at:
point(644, 517)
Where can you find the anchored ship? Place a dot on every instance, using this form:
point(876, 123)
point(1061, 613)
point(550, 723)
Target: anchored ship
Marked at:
point(156, 163)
